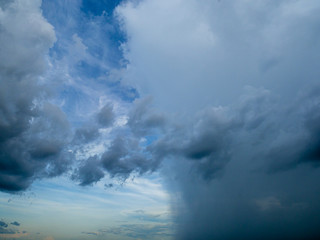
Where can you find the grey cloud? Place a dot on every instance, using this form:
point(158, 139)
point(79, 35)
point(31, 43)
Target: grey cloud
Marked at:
point(15, 223)
point(106, 116)
point(209, 147)
point(33, 131)
point(141, 231)
point(4, 228)
point(89, 131)
point(298, 143)
point(86, 134)
point(3, 224)
point(124, 157)
point(280, 136)
point(143, 119)
point(36, 152)
point(253, 156)
point(90, 172)
point(265, 149)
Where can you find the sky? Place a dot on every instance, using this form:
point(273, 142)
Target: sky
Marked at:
point(165, 120)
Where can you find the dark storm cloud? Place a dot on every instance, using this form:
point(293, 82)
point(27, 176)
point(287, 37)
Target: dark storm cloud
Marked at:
point(280, 136)
point(208, 140)
point(255, 157)
point(312, 124)
point(37, 151)
point(299, 140)
point(209, 146)
point(244, 164)
point(260, 188)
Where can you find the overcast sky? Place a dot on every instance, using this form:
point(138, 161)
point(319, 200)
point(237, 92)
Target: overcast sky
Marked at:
point(148, 119)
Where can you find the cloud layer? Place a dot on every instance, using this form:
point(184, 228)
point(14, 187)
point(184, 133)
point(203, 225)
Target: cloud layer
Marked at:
point(229, 108)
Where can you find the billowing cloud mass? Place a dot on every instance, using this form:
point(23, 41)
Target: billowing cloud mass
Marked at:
point(33, 131)
point(221, 97)
point(242, 82)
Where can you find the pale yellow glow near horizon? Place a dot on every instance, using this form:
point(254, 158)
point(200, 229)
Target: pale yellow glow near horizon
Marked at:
point(59, 209)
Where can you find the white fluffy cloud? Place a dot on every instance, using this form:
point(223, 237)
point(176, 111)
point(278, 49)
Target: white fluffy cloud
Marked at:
point(27, 37)
point(191, 54)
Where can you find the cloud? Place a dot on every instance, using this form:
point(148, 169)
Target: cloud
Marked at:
point(189, 68)
point(125, 154)
point(90, 172)
point(106, 116)
point(90, 233)
point(3, 224)
point(240, 84)
point(41, 137)
point(124, 157)
point(86, 134)
point(144, 119)
point(15, 223)
point(6, 232)
point(234, 120)
point(228, 157)
point(33, 131)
